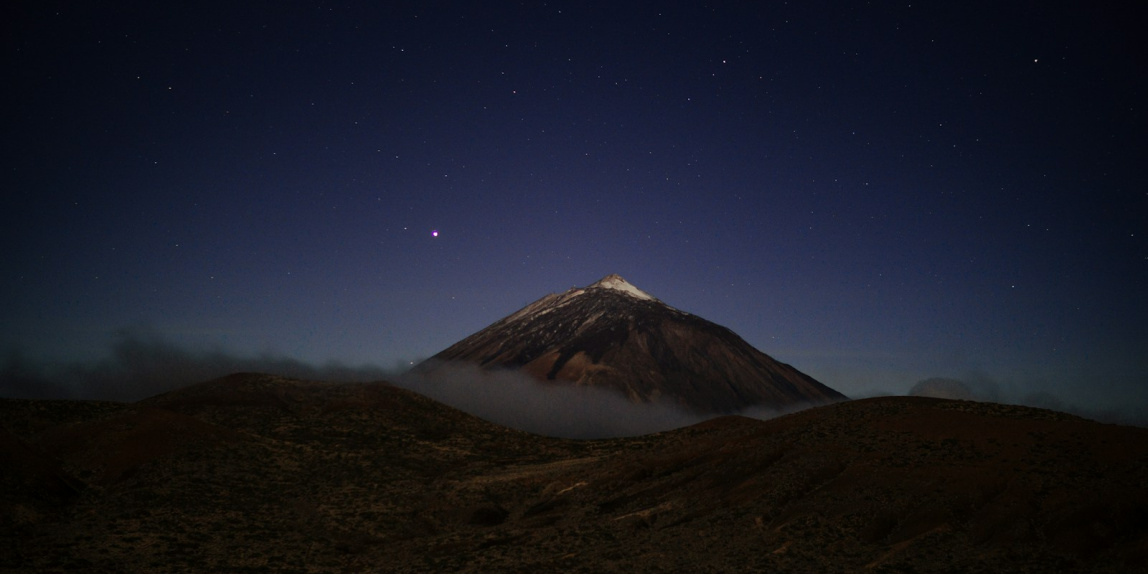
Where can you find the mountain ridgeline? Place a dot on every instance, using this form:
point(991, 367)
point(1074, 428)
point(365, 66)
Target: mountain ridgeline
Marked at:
point(612, 335)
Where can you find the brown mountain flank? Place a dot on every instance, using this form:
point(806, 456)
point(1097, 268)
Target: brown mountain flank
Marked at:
point(613, 335)
point(254, 472)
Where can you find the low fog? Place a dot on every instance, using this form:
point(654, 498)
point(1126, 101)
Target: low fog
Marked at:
point(982, 388)
point(515, 400)
point(142, 364)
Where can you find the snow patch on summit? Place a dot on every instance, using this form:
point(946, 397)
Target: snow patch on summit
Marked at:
point(615, 282)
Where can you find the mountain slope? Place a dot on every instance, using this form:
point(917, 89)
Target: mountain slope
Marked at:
point(613, 335)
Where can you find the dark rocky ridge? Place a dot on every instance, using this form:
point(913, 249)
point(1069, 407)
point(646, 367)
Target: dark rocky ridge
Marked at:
point(612, 335)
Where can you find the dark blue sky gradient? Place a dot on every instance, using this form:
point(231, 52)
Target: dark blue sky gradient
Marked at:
point(873, 193)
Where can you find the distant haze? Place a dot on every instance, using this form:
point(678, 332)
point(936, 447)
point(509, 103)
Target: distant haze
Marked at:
point(514, 399)
point(983, 389)
point(141, 364)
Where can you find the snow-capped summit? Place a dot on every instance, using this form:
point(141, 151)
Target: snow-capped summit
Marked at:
point(615, 281)
point(613, 335)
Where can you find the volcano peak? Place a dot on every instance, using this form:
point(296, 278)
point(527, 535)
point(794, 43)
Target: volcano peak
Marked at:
point(617, 283)
point(612, 335)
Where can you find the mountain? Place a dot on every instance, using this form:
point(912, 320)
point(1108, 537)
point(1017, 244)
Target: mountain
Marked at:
point(615, 336)
point(254, 472)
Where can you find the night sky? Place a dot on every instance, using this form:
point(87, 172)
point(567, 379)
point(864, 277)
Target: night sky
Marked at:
point(876, 193)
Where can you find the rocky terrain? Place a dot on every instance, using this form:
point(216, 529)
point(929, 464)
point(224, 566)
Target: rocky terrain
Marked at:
point(255, 473)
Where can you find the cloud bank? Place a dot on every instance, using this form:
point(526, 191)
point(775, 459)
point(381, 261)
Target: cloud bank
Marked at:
point(979, 387)
point(143, 364)
point(516, 400)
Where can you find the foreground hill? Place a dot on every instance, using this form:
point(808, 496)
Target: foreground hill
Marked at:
point(612, 335)
point(259, 473)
